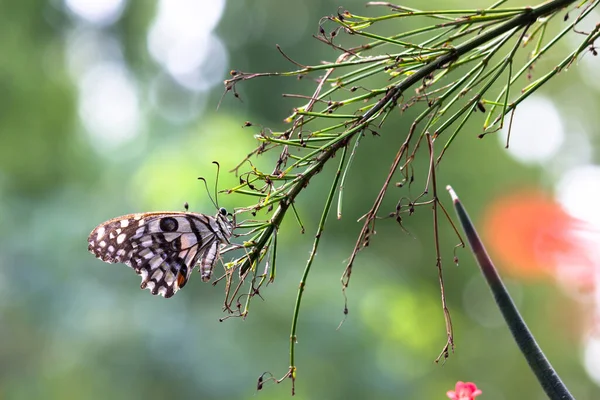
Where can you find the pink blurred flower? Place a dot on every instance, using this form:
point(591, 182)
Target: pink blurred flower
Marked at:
point(463, 391)
point(532, 237)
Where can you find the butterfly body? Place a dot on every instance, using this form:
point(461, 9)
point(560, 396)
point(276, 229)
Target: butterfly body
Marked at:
point(163, 247)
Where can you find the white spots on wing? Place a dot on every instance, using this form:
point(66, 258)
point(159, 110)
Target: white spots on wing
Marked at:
point(120, 238)
point(156, 262)
point(139, 218)
point(144, 274)
point(157, 255)
point(169, 277)
point(157, 275)
point(146, 253)
point(139, 232)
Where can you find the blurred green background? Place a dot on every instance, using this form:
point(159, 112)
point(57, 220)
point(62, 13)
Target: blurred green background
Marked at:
point(110, 107)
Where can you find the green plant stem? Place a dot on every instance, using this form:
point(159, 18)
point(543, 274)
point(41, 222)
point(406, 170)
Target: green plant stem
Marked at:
point(526, 18)
point(539, 364)
point(529, 16)
point(537, 55)
point(311, 258)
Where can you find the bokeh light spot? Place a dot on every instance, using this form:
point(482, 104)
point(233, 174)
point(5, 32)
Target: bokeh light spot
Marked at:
point(98, 12)
point(536, 131)
point(591, 359)
point(109, 106)
point(181, 40)
point(578, 192)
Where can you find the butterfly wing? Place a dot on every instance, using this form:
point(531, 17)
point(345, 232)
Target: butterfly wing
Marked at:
point(162, 247)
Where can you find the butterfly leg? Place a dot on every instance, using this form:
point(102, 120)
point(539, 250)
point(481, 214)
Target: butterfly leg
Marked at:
point(231, 247)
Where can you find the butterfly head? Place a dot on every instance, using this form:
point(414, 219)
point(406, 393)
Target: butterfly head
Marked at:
point(226, 220)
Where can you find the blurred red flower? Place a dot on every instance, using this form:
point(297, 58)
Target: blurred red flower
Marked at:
point(463, 391)
point(533, 237)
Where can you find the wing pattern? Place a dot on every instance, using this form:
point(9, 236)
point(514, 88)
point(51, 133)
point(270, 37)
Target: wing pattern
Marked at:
point(163, 247)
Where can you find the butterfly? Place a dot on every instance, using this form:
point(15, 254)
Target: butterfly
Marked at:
point(163, 247)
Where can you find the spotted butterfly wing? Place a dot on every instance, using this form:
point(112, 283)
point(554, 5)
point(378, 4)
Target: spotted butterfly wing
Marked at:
point(163, 247)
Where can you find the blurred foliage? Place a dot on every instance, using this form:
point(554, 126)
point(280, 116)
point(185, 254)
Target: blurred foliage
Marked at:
point(73, 327)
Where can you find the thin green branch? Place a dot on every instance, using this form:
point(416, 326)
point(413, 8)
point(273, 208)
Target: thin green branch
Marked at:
point(311, 258)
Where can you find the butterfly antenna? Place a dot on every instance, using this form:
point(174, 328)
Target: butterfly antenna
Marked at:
point(208, 192)
point(217, 184)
